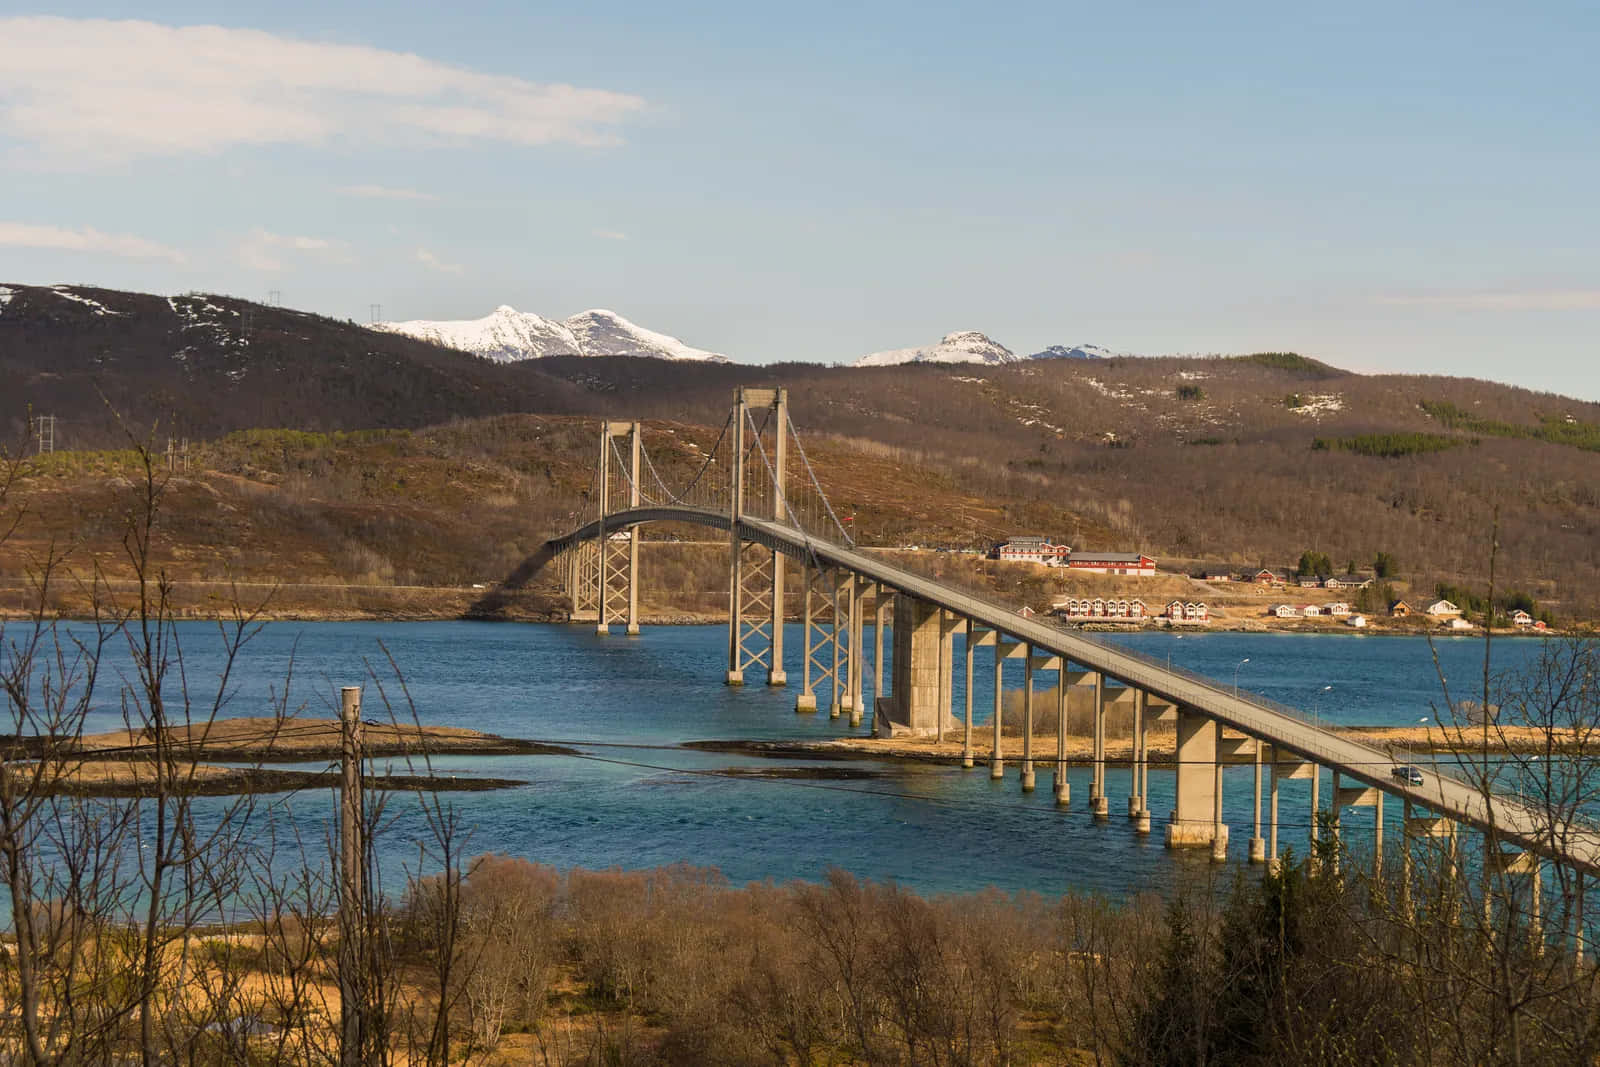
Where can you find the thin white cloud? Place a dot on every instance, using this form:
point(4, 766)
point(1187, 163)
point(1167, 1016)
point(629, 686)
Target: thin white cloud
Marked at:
point(611, 235)
point(85, 239)
point(264, 250)
point(85, 91)
point(1502, 300)
point(433, 262)
point(383, 192)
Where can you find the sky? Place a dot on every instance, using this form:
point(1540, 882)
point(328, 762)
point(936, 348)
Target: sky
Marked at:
point(1388, 187)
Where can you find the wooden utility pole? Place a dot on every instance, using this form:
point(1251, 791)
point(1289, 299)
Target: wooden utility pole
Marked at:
point(352, 958)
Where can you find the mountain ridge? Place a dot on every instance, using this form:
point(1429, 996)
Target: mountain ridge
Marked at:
point(507, 335)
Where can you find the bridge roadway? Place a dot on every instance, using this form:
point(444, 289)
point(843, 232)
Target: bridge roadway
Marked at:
point(1443, 794)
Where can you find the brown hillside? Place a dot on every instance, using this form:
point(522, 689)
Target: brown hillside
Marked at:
point(1201, 459)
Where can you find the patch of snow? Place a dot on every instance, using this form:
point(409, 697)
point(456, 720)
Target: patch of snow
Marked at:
point(5, 297)
point(1193, 375)
point(507, 335)
point(970, 381)
point(965, 346)
point(1316, 404)
point(67, 294)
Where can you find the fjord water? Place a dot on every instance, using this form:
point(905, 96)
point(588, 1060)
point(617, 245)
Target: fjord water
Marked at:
point(635, 799)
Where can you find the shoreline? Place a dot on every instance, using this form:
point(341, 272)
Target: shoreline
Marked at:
point(689, 618)
point(1079, 750)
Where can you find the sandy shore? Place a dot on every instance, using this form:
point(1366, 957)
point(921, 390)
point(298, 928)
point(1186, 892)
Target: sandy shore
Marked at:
point(1079, 749)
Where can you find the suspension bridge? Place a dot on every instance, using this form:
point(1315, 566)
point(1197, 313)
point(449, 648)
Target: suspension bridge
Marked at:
point(757, 484)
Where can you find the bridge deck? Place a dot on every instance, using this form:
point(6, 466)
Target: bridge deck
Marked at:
point(1443, 793)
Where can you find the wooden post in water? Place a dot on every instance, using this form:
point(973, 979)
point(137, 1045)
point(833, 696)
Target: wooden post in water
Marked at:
point(352, 984)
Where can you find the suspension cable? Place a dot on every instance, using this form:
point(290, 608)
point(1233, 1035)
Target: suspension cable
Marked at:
point(800, 448)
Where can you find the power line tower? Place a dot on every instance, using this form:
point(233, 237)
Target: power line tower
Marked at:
point(377, 311)
point(47, 434)
point(275, 297)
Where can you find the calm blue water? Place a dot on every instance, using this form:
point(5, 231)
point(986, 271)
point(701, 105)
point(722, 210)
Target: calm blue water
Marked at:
point(636, 802)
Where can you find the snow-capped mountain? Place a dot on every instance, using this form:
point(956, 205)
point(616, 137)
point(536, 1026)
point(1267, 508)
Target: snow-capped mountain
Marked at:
point(507, 335)
point(967, 346)
point(1075, 352)
point(605, 333)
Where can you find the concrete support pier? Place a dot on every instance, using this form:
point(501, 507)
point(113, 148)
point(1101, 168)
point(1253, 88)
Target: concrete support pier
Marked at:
point(1099, 805)
point(805, 701)
point(1196, 816)
point(1258, 844)
point(1027, 720)
point(966, 724)
point(921, 674)
point(1063, 790)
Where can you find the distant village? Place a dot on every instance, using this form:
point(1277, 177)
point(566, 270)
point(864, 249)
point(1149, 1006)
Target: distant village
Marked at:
point(1042, 550)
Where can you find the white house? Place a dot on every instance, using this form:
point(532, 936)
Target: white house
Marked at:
point(1521, 618)
point(1338, 609)
point(1358, 621)
point(1286, 611)
point(1311, 610)
point(1130, 563)
point(1458, 623)
point(1442, 609)
point(1030, 550)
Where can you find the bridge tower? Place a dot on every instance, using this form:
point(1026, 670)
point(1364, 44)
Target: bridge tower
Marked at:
point(613, 566)
point(755, 572)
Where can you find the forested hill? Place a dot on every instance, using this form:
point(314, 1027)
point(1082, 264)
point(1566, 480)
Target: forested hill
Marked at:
point(1249, 459)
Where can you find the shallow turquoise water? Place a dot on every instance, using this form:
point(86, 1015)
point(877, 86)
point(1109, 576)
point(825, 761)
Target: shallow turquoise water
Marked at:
point(626, 703)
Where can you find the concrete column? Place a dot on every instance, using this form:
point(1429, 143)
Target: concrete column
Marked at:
point(1135, 793)
point(841, 651)
point(1099, 803)
point(1272, 843)
point(806, 699)
point(1258, 846)
point(1316, 813)
point(1405, 858)
point(878, 602)
point(572, 578)
point(1334, 825)
point(920, 679)
point(997, 763)
point(966, 725)
point(780, 514)
point(776, 675)
point(1377, 836)
point(857, 621)
point(1141, 823)
point(1027, 720)
point(1219, 833)
point(1193, 823)
point(1097, 766)
point(1062, 789)
point(945, 683)
point(634, 432)
point(1579, 935)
